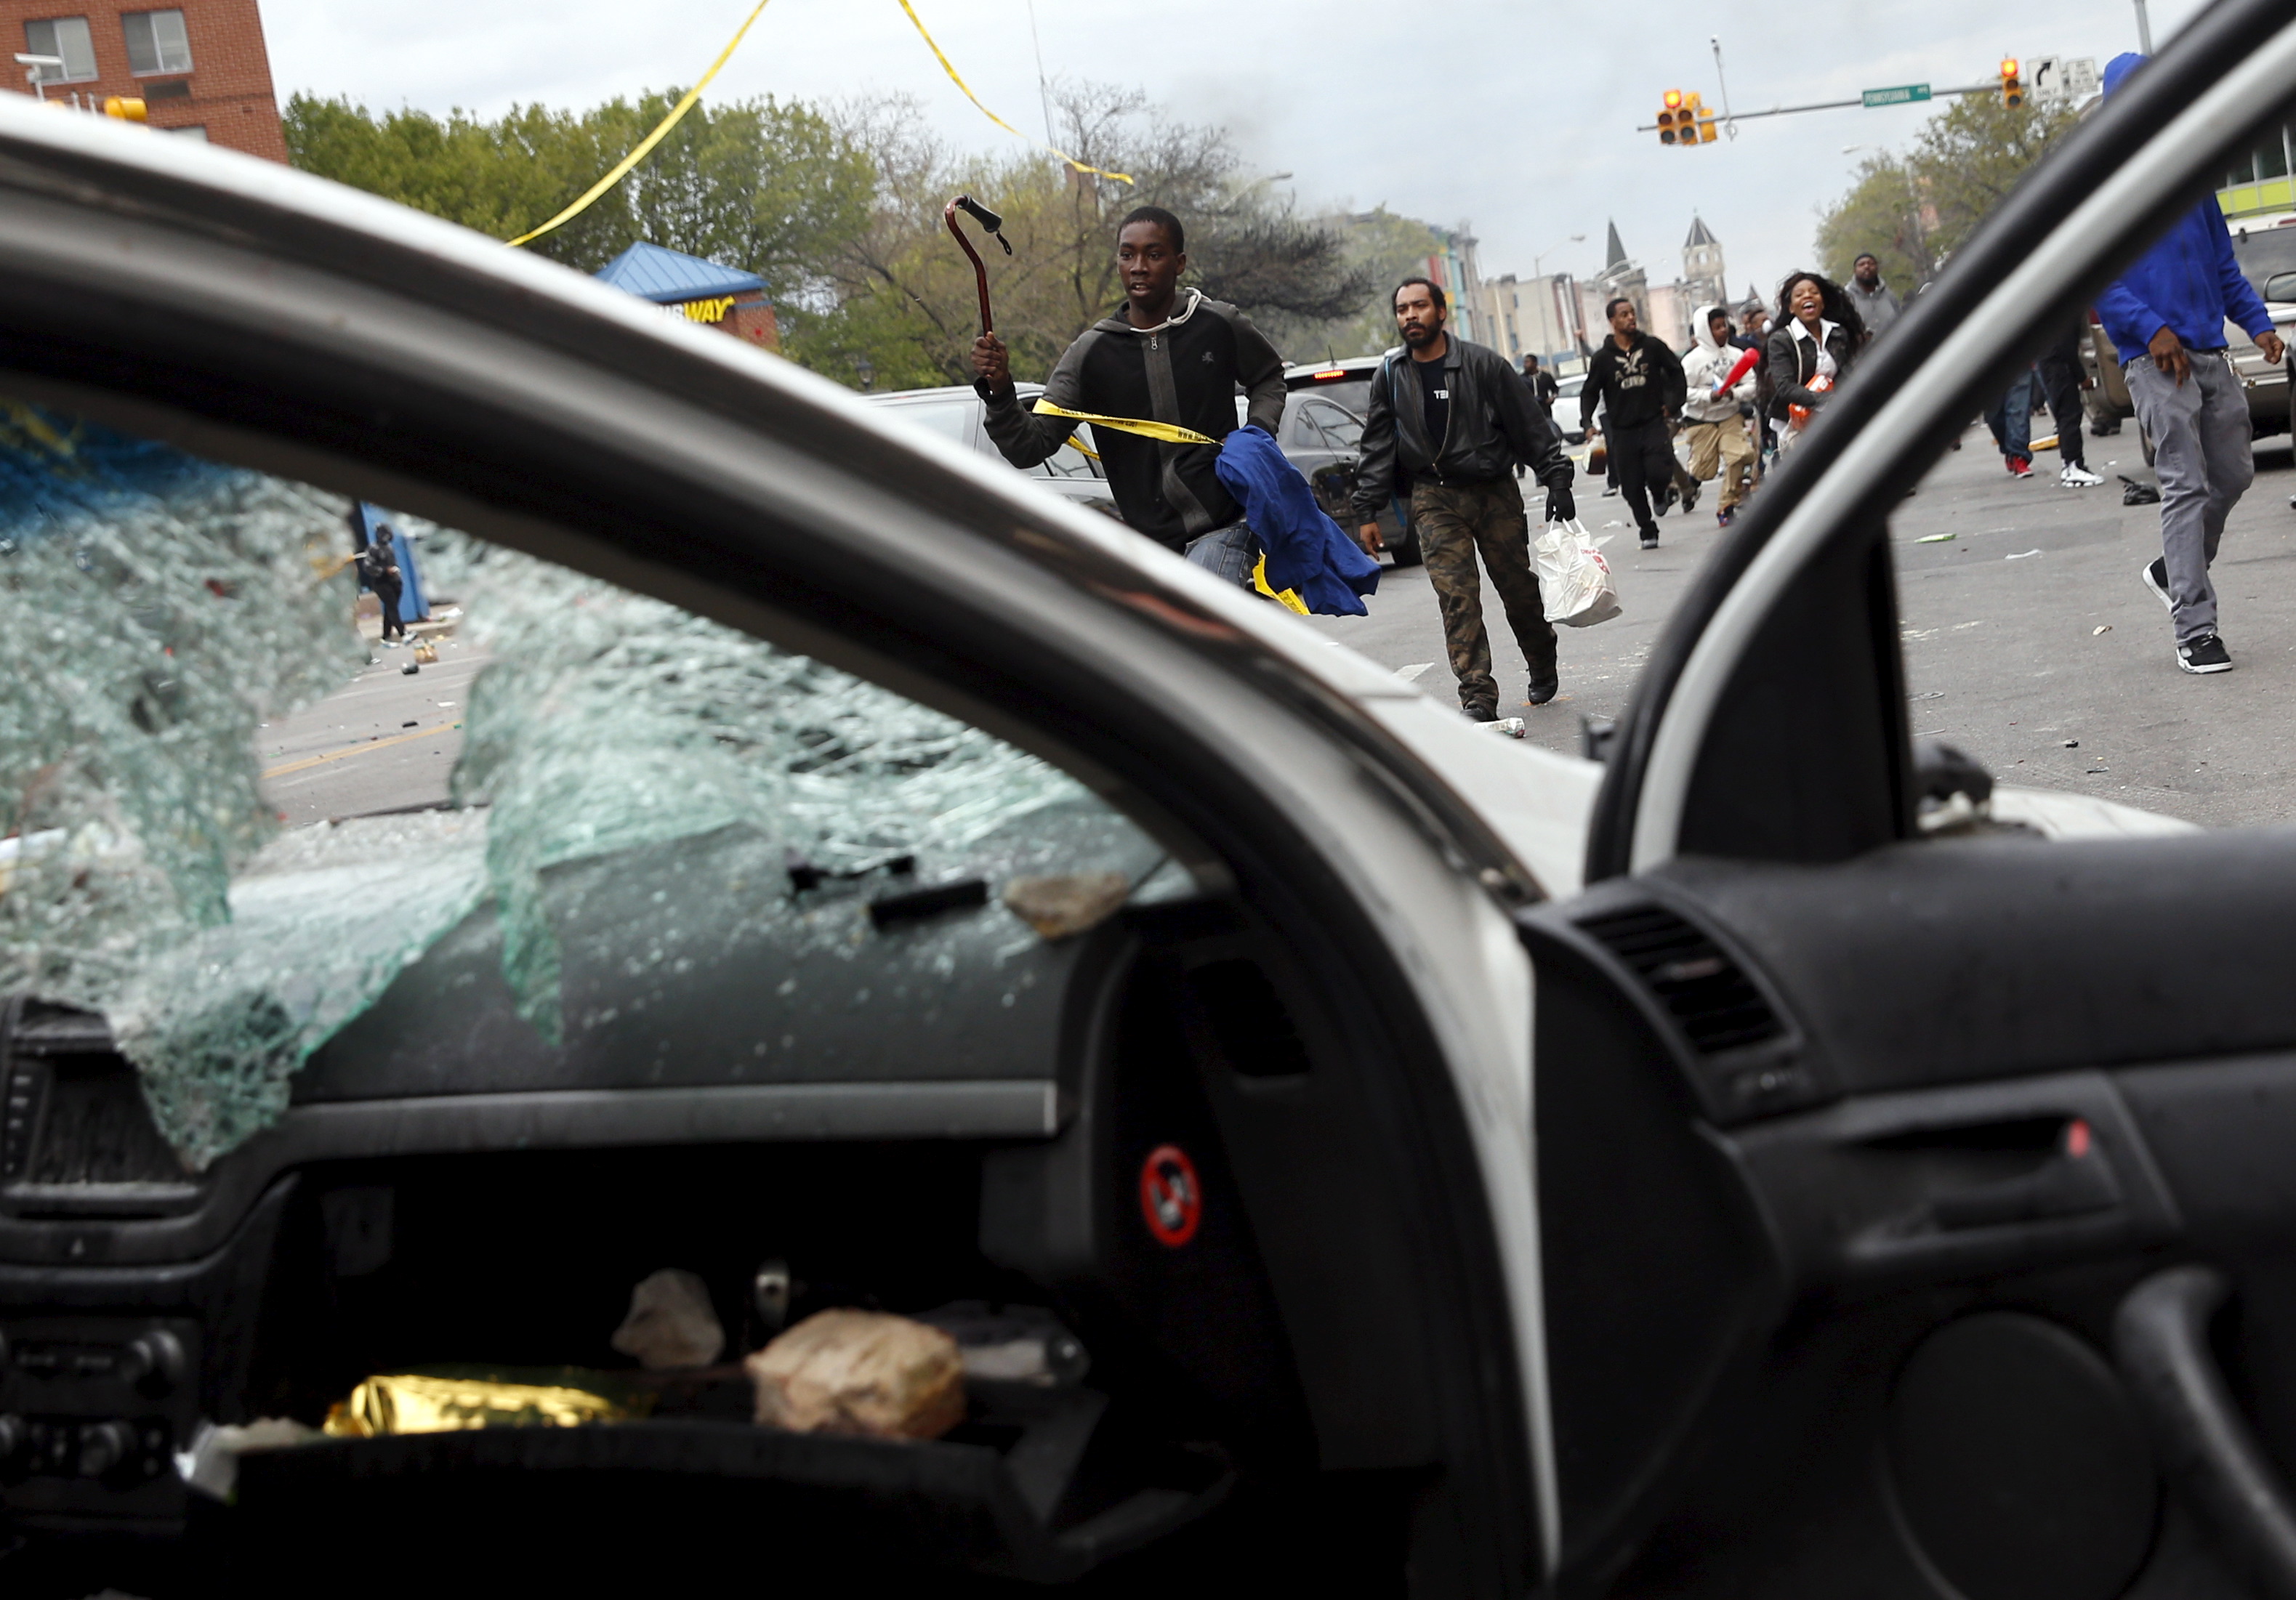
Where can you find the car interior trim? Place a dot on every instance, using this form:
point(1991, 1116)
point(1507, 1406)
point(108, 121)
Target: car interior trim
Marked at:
point(2152, 177)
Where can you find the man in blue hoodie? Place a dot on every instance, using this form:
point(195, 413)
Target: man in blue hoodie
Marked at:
point(2166, 315)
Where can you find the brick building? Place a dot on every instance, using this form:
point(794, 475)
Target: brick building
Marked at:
point(200, 67)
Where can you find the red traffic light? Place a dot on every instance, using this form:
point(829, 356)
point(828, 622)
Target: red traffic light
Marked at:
point(1673, 100)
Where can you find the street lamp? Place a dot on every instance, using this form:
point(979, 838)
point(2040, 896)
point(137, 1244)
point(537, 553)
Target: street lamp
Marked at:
point(1536, 261)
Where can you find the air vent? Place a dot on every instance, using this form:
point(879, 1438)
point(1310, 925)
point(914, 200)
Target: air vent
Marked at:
point(73, 1114)
point(1702, 989)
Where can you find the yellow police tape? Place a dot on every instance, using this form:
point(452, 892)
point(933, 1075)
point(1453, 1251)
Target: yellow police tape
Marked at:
point(1285, 598)
point(1169, 433)
point(621, 169)
point(993, 117)
point(645, 145)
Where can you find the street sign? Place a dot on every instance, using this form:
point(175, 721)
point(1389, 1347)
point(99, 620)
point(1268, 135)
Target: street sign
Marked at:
point(2065, 78)
point(1903, 95)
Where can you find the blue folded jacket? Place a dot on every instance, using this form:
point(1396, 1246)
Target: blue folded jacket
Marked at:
point(1306, 552)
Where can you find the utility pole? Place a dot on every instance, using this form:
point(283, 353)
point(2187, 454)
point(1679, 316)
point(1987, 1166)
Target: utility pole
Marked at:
point(2144, 29)
point(1044, 95)
point(1723, 83)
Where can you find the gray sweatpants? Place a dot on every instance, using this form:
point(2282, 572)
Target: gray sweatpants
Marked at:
point(2202, 455)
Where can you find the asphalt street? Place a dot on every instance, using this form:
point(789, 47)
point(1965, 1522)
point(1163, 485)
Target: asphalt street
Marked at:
point(383, 741)
point(2029, 640)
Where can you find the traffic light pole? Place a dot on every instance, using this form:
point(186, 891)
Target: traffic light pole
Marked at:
point(1832, 105)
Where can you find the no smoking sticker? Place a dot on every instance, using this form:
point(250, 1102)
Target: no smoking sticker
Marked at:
point(1170, 1196)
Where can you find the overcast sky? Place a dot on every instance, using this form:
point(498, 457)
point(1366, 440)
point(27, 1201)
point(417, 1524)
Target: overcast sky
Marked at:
point(1517, 117)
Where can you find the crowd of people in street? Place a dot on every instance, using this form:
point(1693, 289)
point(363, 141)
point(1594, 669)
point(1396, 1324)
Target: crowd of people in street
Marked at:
point(1450, 428)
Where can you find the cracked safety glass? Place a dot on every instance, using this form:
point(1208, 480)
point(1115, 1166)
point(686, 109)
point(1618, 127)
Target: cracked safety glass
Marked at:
point(270, 780)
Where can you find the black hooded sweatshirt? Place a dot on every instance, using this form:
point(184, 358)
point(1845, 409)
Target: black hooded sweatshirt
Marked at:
point(1184, 371)
point(1637, 384)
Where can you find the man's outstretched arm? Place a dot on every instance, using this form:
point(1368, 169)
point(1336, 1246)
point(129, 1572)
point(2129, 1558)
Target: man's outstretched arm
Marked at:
point(1020, 436)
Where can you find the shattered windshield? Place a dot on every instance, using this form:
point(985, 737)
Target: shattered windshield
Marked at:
point(269, 746)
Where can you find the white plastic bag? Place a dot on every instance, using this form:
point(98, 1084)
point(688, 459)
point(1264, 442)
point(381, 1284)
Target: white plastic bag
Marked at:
point(1573, 578)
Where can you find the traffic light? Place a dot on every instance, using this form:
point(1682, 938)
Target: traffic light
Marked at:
point(126, 107)
point(2012, 85)
point(1705, 120)
point(1673, 118)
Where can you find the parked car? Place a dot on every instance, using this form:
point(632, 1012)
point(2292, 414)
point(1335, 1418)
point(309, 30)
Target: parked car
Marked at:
point(1355, 1153)
point(2267, 260)
point(1317, 391)
point(1567, 390)
point(956, 413)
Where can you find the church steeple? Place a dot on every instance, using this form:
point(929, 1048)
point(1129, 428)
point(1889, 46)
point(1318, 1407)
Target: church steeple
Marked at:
point(1618, 250)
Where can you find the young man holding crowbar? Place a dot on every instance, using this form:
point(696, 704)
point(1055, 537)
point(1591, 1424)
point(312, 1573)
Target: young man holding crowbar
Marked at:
point(1170, 359)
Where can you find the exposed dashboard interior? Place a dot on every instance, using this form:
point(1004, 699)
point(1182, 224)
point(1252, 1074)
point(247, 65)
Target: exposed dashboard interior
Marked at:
point(456, 1193)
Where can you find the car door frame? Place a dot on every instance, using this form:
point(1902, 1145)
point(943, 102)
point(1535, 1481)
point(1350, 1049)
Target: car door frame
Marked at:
point(256, 315)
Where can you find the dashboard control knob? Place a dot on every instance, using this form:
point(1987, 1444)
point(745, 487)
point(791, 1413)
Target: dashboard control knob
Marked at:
point(155, 1361)
point(102, 1447)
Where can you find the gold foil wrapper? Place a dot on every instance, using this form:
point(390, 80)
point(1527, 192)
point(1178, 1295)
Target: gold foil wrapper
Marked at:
point(441, 1399)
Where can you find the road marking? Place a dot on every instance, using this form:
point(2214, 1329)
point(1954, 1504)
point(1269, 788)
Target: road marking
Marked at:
point(1410, 674)
point(374, 744)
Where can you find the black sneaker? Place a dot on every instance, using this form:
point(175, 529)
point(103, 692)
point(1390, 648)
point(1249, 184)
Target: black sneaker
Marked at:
point(2205, 654)
point(1479, 713)
point(1544, 682)
point(1650, 540)
point(2156, 579)
point(1690, 498)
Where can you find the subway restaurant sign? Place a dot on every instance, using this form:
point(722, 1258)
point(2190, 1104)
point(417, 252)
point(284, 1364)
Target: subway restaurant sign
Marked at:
point(716, 309)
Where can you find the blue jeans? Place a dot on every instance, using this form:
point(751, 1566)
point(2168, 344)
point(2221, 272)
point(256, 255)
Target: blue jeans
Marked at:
point(1230, 553)
point(2012, 419)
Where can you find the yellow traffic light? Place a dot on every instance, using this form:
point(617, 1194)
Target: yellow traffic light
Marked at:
point(1687, 120)
point(128, 108)
point(2013, 84)
point(1671, 118)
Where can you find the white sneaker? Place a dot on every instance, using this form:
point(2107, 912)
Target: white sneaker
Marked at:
point(2077, 478)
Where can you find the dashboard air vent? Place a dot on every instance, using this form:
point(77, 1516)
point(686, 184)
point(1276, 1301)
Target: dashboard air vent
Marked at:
point(1706, 992)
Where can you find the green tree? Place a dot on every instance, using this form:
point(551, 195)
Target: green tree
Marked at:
point(1914, 211)
point(759, 184)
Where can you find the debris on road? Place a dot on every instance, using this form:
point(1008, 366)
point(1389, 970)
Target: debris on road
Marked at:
point(2072, 744)
point(1936, 539)
point(2105, 627)
point(2132, 492)
point(2021, 555)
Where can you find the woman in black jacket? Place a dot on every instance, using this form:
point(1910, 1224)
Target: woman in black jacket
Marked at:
point(1818, 336)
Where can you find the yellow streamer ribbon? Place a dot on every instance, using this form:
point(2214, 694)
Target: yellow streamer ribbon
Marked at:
point(1287, 598)
point(645, 145)
point(993, 117)
point(1169, 433)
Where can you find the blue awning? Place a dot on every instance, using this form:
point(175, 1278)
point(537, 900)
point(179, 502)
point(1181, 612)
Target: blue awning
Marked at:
point(667, 277)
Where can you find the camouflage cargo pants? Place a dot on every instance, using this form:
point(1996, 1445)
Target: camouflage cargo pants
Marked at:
point(1453, 523)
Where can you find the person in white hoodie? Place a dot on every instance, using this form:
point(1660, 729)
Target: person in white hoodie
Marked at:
point(1714, 409)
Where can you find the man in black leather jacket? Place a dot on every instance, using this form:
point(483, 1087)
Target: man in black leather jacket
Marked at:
point(1456, 418)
